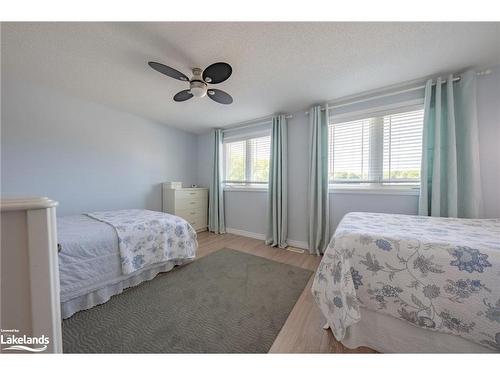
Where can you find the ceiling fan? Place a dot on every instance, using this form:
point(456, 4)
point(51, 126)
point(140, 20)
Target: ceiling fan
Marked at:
point(198, 84)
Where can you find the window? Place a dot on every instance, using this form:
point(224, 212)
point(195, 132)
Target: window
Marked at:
point(381, 150)
point(246, 162)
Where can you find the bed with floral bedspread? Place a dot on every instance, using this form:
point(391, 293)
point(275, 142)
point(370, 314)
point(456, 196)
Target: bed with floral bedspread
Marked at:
point(103, 253)
point(440, 274)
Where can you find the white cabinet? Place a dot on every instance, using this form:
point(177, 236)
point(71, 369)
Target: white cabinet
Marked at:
point(189, 203)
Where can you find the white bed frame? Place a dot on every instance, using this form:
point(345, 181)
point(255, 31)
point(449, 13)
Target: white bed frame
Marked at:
point(30, 272)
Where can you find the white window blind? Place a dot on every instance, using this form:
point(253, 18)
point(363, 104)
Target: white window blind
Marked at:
point(382, 149)
point(403, 147)
point(246, 162)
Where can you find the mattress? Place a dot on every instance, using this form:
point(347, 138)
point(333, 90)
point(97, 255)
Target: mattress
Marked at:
point(437, 274)
point(89, 264)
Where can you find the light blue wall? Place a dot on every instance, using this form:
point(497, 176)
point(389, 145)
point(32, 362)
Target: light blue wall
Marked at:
point(488, 108)
point(247, 210)
point(87, 156)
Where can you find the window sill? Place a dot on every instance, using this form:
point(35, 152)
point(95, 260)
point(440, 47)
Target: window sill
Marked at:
point(246, 189)
point(374, 190)
point(341, 190)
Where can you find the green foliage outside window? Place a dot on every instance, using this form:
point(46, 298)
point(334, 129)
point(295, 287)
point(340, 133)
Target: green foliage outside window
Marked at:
point(261, 170)
point(236, 170)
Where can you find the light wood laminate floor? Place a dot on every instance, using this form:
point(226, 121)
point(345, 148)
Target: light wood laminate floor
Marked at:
point(302, 332)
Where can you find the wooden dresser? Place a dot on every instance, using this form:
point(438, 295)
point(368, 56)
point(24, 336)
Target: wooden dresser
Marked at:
point(189, 203)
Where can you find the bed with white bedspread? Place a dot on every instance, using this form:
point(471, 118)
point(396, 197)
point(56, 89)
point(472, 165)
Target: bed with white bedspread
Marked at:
point(436, 279)
point(102, 253)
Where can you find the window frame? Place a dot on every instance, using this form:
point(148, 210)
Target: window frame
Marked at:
point(402, 188)
point(247, 184)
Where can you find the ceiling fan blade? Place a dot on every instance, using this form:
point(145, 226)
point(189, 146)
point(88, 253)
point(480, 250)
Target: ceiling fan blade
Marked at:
point(220, 96)
point(182, 96)
point(217, 73)
point(171, 72)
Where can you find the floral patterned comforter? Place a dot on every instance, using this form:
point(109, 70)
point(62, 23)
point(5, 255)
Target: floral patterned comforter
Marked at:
point(146, 237)
point(441, 274)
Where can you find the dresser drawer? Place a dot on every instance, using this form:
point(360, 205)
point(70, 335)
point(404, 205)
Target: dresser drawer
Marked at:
point(198, 222)
point(190, 204)
point(191, 194)
point(194, 214)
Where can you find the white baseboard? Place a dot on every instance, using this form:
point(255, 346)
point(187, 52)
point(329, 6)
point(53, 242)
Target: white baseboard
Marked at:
point(299, 244)
point(261, 236)
point(244, 233)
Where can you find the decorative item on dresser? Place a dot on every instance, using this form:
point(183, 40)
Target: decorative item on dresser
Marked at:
point(189, 203)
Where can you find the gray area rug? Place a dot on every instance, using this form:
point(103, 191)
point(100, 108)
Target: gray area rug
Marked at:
point(225, 302)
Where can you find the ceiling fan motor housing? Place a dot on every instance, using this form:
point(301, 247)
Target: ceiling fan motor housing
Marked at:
point(197, 86)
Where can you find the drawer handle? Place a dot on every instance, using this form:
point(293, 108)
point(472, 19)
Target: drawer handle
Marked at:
point(193, 213)
point(192, 193)
point(192, 202)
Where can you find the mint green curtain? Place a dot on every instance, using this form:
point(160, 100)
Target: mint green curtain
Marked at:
point(450, 182)
point(277, 207)
point(216, 222)
point(319, 209)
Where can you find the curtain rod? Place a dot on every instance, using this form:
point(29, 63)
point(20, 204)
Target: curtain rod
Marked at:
point(252, 123)
point(402, 91)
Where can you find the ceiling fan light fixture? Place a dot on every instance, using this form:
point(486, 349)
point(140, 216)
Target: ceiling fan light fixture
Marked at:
point(198, 89)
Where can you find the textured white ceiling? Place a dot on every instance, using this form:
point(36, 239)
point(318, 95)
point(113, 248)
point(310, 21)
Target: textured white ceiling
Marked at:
point(277, 67)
